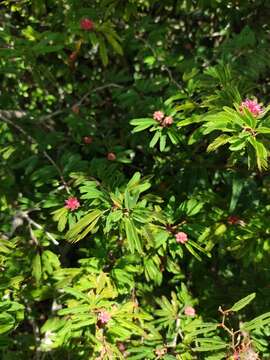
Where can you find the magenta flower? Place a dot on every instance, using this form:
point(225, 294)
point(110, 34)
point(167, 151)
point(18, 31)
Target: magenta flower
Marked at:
point(104, 316)
point(181, 237)
point(158, 115)
point(190, 311)
point(168, 121)
point(86, 24)
point(72, 203)
point(252, 106)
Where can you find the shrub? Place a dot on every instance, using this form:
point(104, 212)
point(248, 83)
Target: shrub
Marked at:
point(134, 189)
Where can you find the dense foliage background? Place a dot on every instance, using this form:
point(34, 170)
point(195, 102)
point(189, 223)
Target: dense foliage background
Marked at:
point(134, 188)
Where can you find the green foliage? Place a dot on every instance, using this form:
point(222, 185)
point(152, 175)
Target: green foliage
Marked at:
point(134, 197)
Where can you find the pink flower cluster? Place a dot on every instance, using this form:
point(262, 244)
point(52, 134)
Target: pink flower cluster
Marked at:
point(165, 121)
point(252, 106)
point(86, 24)
point(181, 237)
point(72, 203)
point(189, 311)
point(104, 316)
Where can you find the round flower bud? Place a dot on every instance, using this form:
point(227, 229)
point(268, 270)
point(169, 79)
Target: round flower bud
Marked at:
point(111, 156)
point(87, 140)
point(181, 237)
point(190, 311)
point(87, 24)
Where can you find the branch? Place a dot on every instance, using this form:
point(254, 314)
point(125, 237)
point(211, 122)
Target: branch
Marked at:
point(32, 140)
point(30, 221)
point(6, 116)
point(85, 96)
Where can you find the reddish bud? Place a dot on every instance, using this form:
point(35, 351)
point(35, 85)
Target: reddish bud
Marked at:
point(87, 140)
point(75, 109)
point(111, 156)
point(73, 56)
point(235, 220)
point(87, 24)
point(188, 46)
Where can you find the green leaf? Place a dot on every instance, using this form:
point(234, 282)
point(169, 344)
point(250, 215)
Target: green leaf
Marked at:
point(37, 269)
point(103, 52)
point(237, 143)
point(193, 252)
point(83, 226)
point(114, 43)
point(162, 143)
point(132, 236)
point(7, 323)
point(77, 294)
point(219, 141)
point(243, 302)
point(198, 247)
point(173, 136)
point(140, 128)
point(134, 181)
point(261, 153)
point(155, 139)
point(237, 186)
point(263, 130)
point(143, 121)
point(257, 322)
point(210, 347)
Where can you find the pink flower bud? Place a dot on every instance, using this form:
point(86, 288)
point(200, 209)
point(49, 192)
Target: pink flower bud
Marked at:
point(158, 115)
point(88, 140)
point(111, 156)
point(104, 316)
point(252, 106)
point(168, 121)
point(121, 347)
point(72, 203)
point(87, 24)
point(181, 237)
point(161, 352)
point(190, 311)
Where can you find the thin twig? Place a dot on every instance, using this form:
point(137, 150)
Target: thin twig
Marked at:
point(177, 332)
point(25, 216)
point(82, 100)
point(91, 91)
